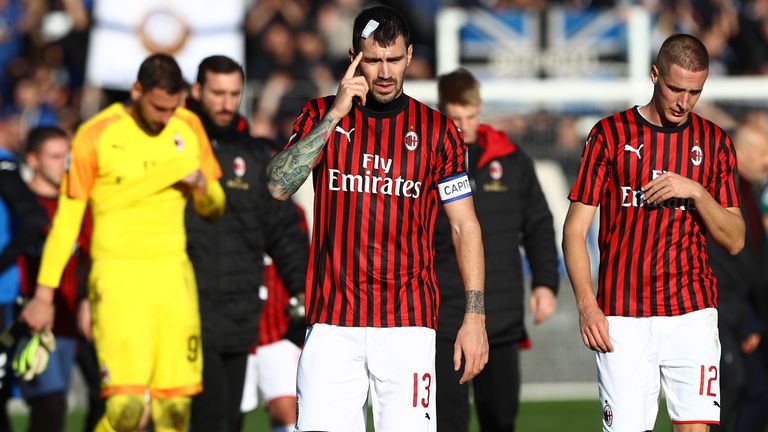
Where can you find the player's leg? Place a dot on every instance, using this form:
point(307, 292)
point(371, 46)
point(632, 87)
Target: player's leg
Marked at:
point(46, 394)
point(277, 382)
point(171, 414)
point(218, 406)
point(208, 407)
point(123, 331)
point(250, 399)
point(122, 413)
point(690, 370)
point(89, 367)
point(628, 377)
point(401, 362)
point(178, 364)
point(332, 380)
point(452, 397)
point(497, 389)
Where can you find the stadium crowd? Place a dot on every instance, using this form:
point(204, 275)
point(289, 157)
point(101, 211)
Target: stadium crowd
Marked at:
point(298, 49)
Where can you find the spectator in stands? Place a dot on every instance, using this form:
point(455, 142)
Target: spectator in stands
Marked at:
point(30, 105)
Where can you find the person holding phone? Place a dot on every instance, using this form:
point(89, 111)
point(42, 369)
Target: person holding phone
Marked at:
point(381, 163)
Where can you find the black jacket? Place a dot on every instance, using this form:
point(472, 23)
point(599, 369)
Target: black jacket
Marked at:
point(228, 254)
point(511, 209)
point(25, 217)
point(742, 279)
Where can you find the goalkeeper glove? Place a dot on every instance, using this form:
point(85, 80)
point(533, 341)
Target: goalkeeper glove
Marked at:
point(32, 355)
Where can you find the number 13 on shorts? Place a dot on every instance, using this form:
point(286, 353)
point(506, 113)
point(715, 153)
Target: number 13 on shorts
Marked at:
point(422, 389)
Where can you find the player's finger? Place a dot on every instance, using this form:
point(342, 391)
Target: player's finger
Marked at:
point(533, 306)
point(456, 357)
point(590, 341)
point(585, 339)
point(652, 183)
point(353, 66)
point(470, 369)
point(598, 341)
point(603, 329)
point(652, 194)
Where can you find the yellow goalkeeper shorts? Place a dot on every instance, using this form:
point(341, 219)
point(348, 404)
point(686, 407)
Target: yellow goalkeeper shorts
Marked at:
point(146, 326)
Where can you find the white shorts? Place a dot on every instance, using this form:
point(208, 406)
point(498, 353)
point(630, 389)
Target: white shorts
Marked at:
point(270, 374)
point(339, 365)
point(680, 353)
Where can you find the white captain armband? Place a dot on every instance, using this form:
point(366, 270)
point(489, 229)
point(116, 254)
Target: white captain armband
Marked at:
point(454, 188)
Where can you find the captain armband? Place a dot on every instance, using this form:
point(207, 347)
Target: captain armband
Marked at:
point(454, 188)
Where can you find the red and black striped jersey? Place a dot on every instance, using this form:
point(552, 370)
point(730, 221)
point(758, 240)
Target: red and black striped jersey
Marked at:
point(653, 259)
point(274, 319)
point(376, 200)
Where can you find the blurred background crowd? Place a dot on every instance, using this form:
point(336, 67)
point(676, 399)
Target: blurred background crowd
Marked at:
point(296, 49)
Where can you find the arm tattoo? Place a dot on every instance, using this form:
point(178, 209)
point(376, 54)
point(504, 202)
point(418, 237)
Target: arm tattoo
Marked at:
point(475, 302)
point(288, 170)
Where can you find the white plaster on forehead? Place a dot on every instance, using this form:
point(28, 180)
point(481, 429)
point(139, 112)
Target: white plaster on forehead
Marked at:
point(369, 28)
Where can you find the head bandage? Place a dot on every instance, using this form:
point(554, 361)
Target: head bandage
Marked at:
point(369, 28)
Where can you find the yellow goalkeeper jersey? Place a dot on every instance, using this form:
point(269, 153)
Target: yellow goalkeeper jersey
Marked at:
point(130, 179)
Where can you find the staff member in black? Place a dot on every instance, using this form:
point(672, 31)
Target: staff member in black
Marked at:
point(228, 254)
point(511, 209)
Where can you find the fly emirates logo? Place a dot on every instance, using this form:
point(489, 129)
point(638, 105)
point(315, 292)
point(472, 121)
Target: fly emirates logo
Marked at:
point(636, 198)
point(370, 183)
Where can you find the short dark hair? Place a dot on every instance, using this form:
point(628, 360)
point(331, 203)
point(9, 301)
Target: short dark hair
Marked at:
point(161, 71)
point(217, 64)
point(391, 25)
point(683, 50)
point(458, 87)
point(39, 135)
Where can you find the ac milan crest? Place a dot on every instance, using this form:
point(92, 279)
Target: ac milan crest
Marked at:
point(411, 140)
point(607, 414)
point(697, 155)
point(495, 170)
point(178, 142)
point(238, 166)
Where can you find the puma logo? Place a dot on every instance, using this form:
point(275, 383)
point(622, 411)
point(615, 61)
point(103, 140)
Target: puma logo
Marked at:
point(345, 133)
point(426, 416)
point(636, 151)
point(716, 404)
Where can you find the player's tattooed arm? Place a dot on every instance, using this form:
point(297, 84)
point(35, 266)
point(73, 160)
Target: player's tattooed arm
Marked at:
point(474, 302)
point(288, 170)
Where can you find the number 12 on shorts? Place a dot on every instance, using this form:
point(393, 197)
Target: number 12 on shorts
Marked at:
point(708, 374)
point(426, 382)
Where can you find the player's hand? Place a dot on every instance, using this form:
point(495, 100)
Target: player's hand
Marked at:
point(472, 342)
point(542, 304)
point(750, 343)
point(670, 185)
point(296, 309)
point(39, 311)
point(594, 329)
point(350, 86)
point(195, 181)
point(84, 319)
